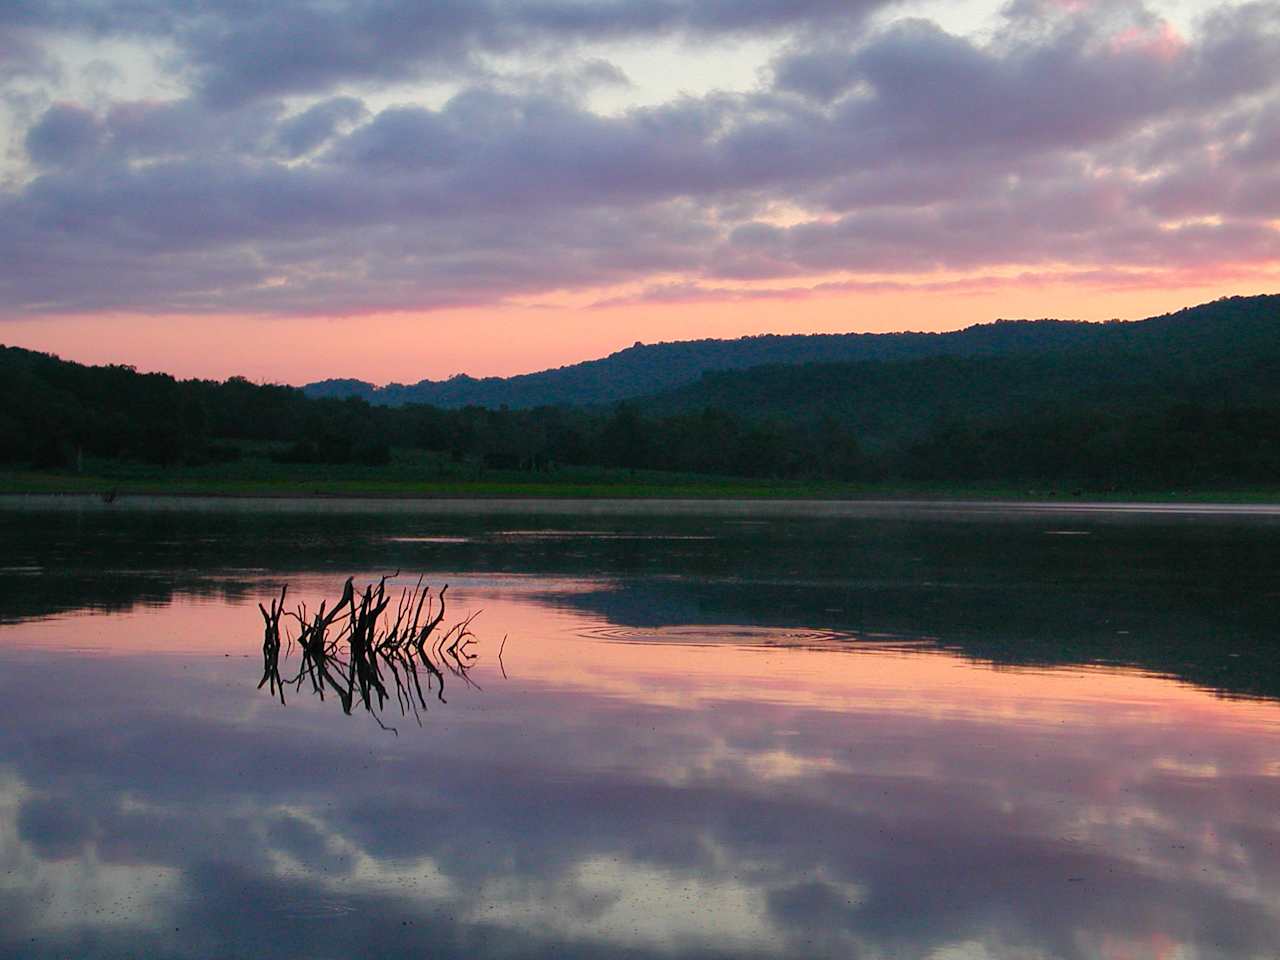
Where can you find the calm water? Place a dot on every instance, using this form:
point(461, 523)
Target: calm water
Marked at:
point(871, 731)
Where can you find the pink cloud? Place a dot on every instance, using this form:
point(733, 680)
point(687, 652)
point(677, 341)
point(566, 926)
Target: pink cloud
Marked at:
point(1161, 42)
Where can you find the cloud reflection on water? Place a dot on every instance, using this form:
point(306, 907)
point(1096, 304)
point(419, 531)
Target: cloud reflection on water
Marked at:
point(626, 800)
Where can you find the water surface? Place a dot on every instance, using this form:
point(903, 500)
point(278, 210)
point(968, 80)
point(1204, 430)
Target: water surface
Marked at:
point(896, 732)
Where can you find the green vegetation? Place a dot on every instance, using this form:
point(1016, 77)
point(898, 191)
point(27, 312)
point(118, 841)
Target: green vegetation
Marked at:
point(410, 474)
point(264, 478)
point(1175, 406)
point(644, 369)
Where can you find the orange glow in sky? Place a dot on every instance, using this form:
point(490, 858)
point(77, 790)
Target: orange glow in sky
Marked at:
point(502, 341)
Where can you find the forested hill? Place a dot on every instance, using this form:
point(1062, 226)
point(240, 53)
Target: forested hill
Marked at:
point(1225, 351)
point(1195, 393)
point(652, 368)
point(1191, 398)
point(646, 368)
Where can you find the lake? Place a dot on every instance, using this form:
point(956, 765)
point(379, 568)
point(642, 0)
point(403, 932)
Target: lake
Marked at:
point(678, 730)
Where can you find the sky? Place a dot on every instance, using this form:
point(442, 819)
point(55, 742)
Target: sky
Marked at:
point(400, 189)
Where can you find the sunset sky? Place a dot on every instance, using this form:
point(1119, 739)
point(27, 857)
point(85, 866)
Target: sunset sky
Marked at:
point(395, 190)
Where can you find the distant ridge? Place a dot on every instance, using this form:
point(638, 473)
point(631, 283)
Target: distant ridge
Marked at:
point(653, 368)
point(649, 369)
point(1186, 400)
point(1215, 356)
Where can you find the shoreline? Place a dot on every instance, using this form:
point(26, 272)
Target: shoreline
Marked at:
point(572, 492)
point(905, 506)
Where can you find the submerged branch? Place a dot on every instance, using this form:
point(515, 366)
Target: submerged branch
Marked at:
point(365, 654)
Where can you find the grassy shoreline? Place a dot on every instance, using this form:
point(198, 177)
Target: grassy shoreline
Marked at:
point(180, 483)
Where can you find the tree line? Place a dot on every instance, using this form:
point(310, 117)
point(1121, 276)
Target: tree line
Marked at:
point(1195, 407)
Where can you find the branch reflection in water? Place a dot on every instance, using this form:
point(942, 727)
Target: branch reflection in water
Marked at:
point(363, 653)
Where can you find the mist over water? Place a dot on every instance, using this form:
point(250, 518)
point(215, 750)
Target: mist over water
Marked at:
point(747, 730)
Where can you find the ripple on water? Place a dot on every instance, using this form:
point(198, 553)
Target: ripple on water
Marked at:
point(593, 535)
point(707, 635)
point(427, 539)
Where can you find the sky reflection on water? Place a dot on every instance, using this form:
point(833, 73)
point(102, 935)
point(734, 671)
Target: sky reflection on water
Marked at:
point(677, 763)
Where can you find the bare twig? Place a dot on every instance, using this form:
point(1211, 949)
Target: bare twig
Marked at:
point(366, 651)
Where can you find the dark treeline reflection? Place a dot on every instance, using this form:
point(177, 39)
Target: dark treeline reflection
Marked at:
point(362, 653)
point(1184, 596)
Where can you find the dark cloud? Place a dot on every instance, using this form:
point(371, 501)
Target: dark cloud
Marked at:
point(55, 827)
point(238, 51)
point(316, 125)
point(1261, 144)
point(22, 57)
point(925, 90)
point(1087, 135)
point(65, 134)
point(403, 138)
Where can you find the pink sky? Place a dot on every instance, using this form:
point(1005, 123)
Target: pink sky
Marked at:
point(500, 342)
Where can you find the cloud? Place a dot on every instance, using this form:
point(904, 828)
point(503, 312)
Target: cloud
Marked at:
point(834, 809)
point(403, 138)
point(1085, 138)
point(237, 52)
point(22, 58)
point(315, 126)
point(65, 134)
point(1102, 279)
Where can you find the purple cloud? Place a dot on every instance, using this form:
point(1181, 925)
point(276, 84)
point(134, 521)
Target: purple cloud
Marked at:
point(1095, 139)
point(65, 134)
point(240, 52)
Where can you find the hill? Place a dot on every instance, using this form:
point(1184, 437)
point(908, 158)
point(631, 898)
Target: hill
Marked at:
point(1221, 350)
point(1189, 399)
point(1188, 393)
point(646, 368)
